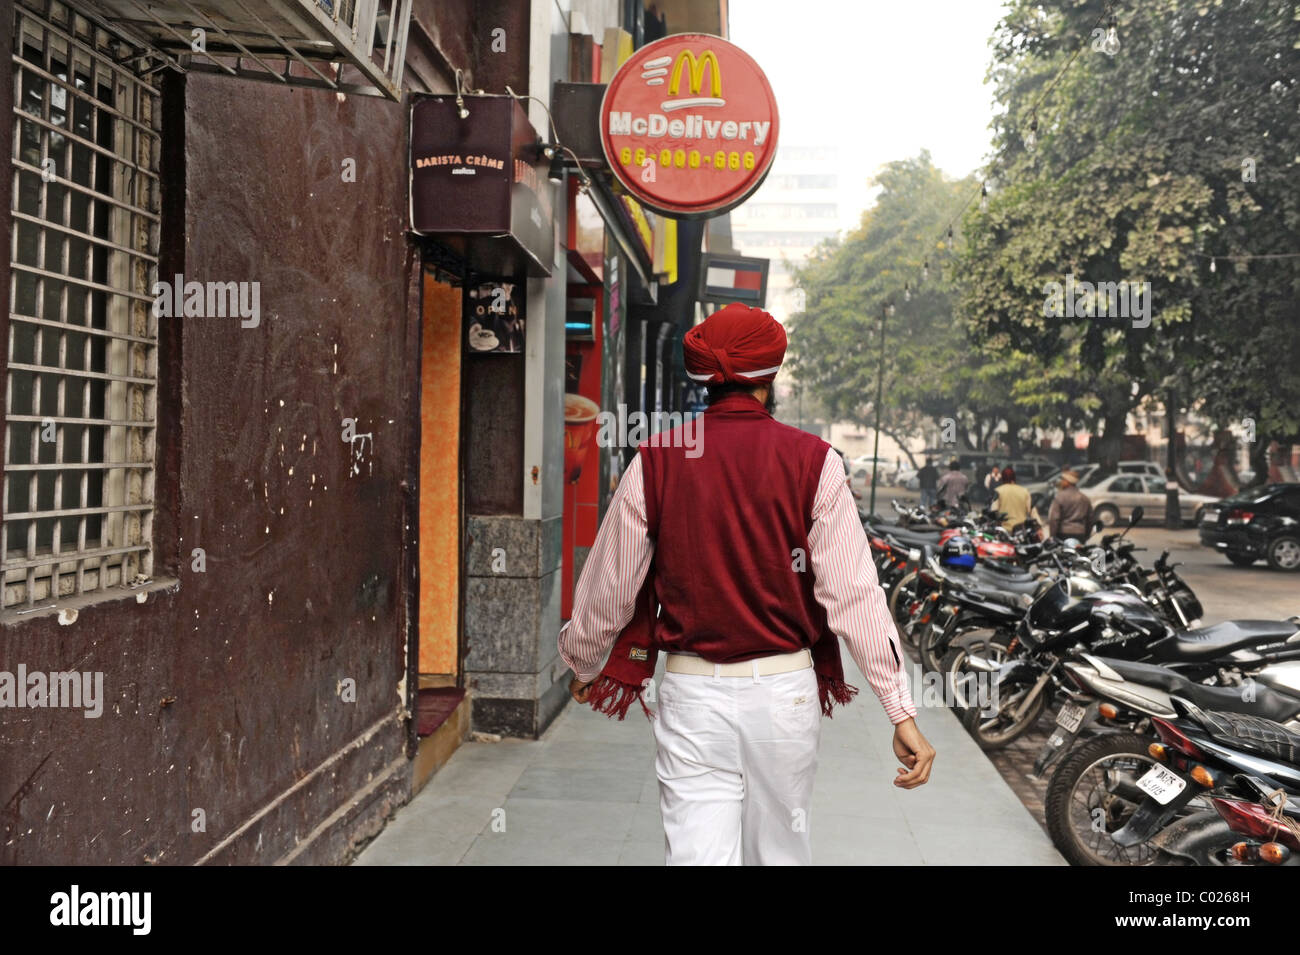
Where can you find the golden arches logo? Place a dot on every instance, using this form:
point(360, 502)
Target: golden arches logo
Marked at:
point(695, 69)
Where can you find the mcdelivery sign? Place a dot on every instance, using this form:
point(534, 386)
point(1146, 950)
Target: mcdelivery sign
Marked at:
point(689, 125)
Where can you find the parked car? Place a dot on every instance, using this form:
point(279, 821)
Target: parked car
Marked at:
point(1258, 523)
point(1113, 499)
point(1043, 491)
point(1149, 468)
point(1030, 469)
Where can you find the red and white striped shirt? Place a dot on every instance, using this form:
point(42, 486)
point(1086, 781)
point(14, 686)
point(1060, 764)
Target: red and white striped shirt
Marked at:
point(845, 585)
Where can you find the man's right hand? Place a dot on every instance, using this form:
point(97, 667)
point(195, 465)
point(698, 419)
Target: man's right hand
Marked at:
point(579, 690)
point(914, 752)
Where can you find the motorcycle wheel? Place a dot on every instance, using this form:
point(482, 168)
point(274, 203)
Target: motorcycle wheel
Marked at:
point(899, 600)
point(958, 680)
point(994, 730)
point(926, 646)
point(1092, 794)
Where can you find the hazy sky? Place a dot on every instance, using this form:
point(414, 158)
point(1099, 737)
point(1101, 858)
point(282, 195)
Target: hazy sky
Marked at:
point(882, 80)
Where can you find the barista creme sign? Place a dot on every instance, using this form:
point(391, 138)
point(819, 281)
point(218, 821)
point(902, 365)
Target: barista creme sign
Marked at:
point(689, 125)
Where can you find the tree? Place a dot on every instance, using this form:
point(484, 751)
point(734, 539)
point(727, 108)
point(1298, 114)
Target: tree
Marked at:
point(930, 370)
point(1139, 177)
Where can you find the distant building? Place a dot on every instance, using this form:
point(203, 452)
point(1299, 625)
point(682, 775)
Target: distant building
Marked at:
point(796, 207)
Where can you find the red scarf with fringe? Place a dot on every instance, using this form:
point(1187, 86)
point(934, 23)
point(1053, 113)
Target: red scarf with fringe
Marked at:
point(631, 664)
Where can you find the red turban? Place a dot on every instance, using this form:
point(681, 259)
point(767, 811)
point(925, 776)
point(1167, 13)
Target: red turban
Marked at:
point(736, 343)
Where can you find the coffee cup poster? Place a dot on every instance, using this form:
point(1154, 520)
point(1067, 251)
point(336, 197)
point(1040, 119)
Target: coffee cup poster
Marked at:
point(494, 317)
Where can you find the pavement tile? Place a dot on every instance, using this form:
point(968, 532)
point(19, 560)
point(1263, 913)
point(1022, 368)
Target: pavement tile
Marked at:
point(554, 832)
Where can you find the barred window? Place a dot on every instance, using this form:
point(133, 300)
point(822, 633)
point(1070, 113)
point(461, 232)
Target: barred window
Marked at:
point(82, 362)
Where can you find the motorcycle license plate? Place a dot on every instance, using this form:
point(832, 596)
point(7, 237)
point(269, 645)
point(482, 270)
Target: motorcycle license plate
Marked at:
point(1162, 785)
point(1070, 717)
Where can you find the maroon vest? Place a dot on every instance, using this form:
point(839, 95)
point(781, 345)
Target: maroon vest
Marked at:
point(730, 525)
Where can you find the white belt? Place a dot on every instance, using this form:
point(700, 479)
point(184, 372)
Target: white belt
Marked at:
point(759, 666)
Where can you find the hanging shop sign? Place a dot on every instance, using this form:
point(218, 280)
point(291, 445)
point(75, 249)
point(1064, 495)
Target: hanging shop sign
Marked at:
point(479, 184)
point(689, 125)
point(494, 317)
point(733, 278)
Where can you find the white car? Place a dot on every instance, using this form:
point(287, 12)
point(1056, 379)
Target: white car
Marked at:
point(1114, 498)
point(866, 462)
point(1043, 491)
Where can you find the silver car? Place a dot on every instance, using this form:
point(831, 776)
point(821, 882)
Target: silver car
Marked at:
point(1114, 498)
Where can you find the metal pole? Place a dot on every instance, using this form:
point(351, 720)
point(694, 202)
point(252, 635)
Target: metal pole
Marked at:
point(880, 393)
point(1173, 512)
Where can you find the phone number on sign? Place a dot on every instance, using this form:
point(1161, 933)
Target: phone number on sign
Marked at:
point(688, 159)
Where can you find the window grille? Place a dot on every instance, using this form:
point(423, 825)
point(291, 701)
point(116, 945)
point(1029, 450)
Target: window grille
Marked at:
point(80, 398)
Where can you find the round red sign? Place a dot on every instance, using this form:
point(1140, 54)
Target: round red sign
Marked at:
point(689, 125)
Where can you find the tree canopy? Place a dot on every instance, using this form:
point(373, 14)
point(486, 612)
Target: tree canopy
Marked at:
point(1180, 149)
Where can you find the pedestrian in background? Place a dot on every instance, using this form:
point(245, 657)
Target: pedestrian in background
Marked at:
point(928, 477)
point(992, 480)
point(953, 485)
point(1014, 501)
point(1071, 512)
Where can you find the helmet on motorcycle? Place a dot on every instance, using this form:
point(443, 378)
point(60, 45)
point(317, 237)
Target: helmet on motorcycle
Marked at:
point(957, 551)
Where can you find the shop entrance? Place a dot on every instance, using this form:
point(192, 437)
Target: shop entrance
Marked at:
point(442, 710)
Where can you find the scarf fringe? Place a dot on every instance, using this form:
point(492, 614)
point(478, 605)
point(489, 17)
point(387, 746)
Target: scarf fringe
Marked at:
point(834, 691)
point(614, 697)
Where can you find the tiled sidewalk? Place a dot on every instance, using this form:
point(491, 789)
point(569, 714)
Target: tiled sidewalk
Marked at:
point(586, 794)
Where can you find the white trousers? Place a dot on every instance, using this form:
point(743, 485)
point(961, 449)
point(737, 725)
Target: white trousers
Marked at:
point(736, 757)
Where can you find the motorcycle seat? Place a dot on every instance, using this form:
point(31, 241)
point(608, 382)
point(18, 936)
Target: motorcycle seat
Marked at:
point(909, 537)
point(1006, 584)
point(1265, 701)
point(1206, 643)
point(1261, 736)
point(981, 578)
point(996, 589)
point(1005, 571)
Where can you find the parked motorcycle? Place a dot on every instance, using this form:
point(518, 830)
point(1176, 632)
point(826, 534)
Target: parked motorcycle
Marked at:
point(1158, 804)
point(1128, 696)
point(1116, 623)
point(1099, 582)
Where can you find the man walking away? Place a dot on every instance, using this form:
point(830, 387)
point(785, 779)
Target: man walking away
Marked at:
point(953, 485)
point(760, 568)
point(1071, 512)
point(928, 476)
point(1013, 500)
